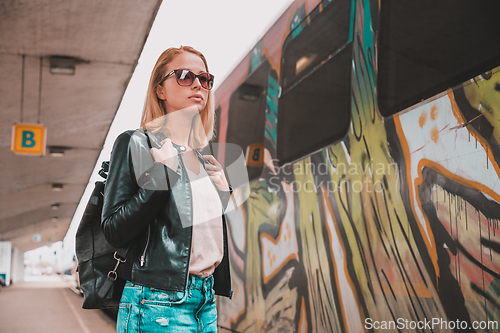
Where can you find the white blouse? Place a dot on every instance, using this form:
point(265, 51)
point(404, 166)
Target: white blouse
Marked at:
point(207, 248)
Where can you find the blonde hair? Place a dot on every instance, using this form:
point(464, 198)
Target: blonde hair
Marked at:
point(202, 130)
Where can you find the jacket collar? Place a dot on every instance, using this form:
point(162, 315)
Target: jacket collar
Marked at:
point(160, 136)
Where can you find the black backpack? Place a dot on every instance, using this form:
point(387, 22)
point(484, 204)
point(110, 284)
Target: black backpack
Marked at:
point(97, 259)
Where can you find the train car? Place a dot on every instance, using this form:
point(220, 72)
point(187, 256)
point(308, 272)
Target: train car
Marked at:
point(372, 131)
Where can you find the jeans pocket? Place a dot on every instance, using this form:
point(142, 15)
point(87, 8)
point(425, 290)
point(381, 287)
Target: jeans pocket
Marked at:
point(164, 297)
point(123, 318)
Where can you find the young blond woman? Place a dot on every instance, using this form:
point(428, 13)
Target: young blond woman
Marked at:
point(164, 201)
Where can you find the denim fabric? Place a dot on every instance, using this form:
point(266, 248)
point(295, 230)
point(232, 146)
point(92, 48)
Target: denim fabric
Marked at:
point(144, 309)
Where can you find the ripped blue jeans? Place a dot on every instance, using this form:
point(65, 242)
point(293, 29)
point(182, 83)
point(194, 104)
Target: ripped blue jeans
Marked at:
point(143, 309)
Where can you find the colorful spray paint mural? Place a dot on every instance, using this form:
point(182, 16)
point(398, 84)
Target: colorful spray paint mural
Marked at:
point(397, 222)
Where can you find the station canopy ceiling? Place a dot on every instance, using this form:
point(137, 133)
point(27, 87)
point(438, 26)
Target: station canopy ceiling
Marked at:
point(40, 44)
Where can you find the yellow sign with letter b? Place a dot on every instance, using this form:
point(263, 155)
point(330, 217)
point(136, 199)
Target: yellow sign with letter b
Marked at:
point(255, 154)
point(28, 139)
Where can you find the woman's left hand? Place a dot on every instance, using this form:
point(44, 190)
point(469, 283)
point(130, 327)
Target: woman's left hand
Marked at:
point(215, 172)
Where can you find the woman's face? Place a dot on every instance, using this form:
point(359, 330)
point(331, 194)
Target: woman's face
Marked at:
point(176, 97)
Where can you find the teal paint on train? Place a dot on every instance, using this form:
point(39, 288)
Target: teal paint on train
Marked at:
point(255, 56)
point(298, 18)
point(272, 107)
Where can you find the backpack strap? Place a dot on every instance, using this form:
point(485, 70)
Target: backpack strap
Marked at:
point(120, 254)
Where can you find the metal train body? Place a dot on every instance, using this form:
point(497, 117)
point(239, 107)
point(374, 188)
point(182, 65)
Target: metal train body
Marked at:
point(390, 218)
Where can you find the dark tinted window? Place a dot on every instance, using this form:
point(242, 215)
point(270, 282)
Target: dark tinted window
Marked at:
point(428, 46)
point(314, 106)
point(247, 112)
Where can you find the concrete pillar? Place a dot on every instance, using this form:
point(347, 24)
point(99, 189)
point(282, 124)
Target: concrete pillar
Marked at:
point(5, 261)
point(17, 272)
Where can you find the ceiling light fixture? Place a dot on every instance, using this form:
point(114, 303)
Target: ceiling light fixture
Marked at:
point(62, 65)
point(57, 151)
point(57, 187)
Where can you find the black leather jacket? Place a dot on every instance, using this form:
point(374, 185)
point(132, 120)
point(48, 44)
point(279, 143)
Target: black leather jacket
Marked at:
point(140, 211)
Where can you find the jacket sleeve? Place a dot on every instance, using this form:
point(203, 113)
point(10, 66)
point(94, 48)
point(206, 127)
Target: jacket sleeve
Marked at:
point(224, 197)
point(136, 188)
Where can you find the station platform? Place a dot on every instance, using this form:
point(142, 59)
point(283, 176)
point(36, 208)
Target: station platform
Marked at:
point(48, 304)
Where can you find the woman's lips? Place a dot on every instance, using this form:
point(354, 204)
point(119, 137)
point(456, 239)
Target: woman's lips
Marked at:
point(197, 98)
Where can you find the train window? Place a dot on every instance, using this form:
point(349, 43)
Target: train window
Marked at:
point(314, 107)
point(427, 46)
point(247, 114)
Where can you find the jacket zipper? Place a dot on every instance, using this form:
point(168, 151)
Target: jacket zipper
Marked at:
point(143, 257)
point(181, 163)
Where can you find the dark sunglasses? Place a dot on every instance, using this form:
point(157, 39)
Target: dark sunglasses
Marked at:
point(186, 78)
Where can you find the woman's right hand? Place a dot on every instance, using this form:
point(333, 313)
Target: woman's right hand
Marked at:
point(167, 154)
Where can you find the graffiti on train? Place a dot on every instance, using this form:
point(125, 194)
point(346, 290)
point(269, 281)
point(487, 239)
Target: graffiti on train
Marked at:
point(397, 220)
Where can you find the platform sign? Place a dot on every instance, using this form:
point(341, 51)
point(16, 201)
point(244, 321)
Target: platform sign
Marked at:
point(28, 139)
point(255, 154)
point(5, 258)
